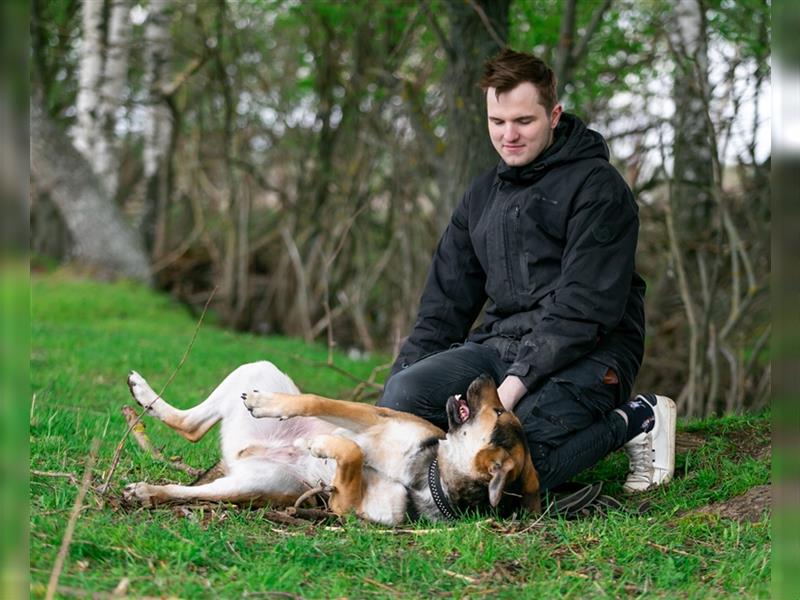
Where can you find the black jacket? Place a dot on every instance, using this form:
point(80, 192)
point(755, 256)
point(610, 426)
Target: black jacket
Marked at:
point(550, 245)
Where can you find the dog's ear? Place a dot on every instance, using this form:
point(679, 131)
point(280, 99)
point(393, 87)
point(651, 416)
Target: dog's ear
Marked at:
point(499, 469)
point(530, 487)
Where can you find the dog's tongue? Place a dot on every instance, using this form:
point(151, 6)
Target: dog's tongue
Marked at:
point(463, 408)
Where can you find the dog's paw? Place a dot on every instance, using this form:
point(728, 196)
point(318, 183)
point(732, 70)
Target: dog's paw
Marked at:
point(264, 404)
point(316, 446)
point(139, 493)
point(141, 391)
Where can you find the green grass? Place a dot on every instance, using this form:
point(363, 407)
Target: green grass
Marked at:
point(85, 338)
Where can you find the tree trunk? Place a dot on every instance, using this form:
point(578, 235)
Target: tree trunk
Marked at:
point(478, 31)
point(693, 174)
point(103, 74)
point(89, 78)
point(692, 193)
point(159, 125)
point(101, 238)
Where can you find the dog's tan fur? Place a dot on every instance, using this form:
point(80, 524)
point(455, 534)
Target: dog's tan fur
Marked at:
point(278, 443)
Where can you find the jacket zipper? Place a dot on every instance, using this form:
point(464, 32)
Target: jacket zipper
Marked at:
point(509, 244)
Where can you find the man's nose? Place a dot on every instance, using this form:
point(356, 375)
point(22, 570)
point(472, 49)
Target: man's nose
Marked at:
point(511, 132)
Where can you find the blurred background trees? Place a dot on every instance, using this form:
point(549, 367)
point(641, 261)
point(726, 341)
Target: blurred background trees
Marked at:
point(305, 156)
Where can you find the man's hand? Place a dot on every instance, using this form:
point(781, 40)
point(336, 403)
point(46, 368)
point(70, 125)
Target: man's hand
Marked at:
point(510, 391)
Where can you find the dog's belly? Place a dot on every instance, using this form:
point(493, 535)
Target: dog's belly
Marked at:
point(242, 431)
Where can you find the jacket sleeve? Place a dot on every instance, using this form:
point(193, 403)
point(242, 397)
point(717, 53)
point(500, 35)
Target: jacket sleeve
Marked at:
point(453, 294)
point(591, 294)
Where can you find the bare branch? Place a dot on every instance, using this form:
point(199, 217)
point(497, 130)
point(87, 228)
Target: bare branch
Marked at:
point(141, 437)
point(118, 452)
point(580, 50)
point(66, 540)
point(487, 24)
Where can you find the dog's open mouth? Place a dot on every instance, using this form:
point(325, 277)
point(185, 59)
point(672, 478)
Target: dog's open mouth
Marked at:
point(458, 407)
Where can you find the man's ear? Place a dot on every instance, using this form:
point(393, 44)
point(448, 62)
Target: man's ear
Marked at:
point(555, 116)
point(499, 470)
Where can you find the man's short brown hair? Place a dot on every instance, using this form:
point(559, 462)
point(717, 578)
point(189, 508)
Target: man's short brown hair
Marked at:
point(508, 69)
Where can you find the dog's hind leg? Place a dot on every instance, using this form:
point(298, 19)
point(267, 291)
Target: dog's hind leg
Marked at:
point(276, 484)
point(191, 424)
point(348, 483)
point(224, 401)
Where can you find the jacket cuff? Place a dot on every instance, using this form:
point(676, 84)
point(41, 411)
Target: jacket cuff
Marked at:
point(526, 373)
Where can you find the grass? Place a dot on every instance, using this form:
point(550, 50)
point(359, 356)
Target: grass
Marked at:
point(85, 338)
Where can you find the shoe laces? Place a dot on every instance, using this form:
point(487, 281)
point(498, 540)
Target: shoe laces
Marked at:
point(640, 456)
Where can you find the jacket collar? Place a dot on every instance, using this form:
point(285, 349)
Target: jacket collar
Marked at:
point(572, 141)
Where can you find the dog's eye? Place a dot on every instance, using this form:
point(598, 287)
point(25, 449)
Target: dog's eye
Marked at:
point(499, 411)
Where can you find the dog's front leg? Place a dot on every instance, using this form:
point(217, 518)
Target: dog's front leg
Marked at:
point(348, 480)
point(353, 416)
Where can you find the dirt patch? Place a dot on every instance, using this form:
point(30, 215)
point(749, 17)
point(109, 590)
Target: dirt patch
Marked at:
point(742, 444)
point(688, 441)
point(749, 507)
point(747, 443)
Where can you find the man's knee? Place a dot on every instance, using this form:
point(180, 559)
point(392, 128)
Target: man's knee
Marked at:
point(403, 392)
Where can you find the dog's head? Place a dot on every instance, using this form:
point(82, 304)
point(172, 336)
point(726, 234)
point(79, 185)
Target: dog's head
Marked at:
point(485, 455)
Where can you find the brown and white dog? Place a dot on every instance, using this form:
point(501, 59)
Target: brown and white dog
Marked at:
point(385, 466)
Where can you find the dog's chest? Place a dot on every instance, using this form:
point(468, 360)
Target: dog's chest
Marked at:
point(391, 449)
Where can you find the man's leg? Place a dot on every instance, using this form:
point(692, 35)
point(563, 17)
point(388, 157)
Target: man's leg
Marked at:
point(423, 388)
point(570, 422)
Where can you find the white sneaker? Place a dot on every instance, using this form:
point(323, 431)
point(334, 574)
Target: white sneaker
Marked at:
point(652, 454)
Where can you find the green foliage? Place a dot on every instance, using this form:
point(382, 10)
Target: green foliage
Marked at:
point(85, 338)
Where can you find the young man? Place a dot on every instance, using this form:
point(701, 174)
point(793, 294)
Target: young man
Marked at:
point(548, 238)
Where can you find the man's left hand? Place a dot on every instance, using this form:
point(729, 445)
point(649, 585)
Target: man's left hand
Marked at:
point(510, 391)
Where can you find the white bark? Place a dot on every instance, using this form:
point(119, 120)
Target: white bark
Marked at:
point(103, 73)
point(115, 76)
point(90, 77)
point(158, 124)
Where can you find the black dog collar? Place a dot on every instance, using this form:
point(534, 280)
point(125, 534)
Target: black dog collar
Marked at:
point(439, 497)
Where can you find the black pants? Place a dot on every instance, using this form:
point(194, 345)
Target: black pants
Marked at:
point(567, 420)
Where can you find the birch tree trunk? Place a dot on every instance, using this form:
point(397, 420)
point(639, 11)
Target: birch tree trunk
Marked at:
point(90, 76)
point(102, 77)
point(158, 126)
point(115, 77)
point(101, 237)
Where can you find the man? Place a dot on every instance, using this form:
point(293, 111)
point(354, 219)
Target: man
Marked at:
point(546, 239)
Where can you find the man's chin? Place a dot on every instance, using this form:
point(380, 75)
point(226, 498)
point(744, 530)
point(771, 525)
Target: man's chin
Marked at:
point(516, 160)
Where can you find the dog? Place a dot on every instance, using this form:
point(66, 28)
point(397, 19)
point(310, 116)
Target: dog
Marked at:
point(385, 466)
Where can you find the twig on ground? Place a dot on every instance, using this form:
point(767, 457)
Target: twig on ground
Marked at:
point(283, 518)
point(667, 550)
point(325, 365)
point(310, 514)
point(52, 586)
point(383, 586)
point(140, 435)
point(71, 476)
point(121, 444)
point(320, 489)
point(466, 578)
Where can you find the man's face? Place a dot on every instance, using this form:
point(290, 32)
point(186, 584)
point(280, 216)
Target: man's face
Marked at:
point(519, 125)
